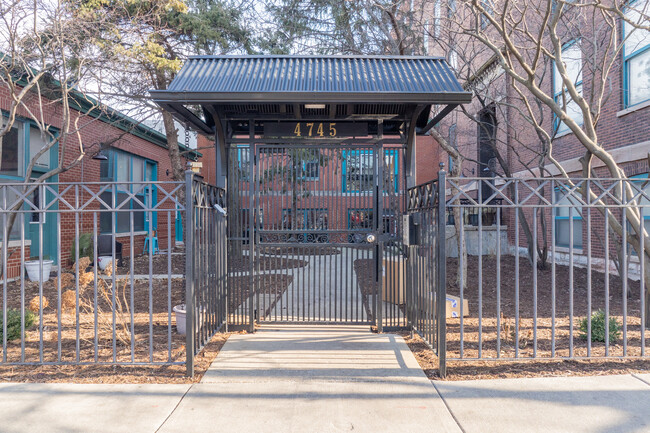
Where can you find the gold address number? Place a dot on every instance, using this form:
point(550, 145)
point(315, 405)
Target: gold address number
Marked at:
point(315, 129)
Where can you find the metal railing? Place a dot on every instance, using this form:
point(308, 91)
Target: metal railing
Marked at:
point(426, 293)
point(558, 276)
point(116, 280)
point(206, 290)
point(108, 301)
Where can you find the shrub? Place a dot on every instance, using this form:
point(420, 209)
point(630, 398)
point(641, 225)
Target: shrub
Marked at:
point(13, 323)
point(598, 327)
point(85, 246)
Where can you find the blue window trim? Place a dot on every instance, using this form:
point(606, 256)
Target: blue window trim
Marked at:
point(558, 95)
point(54, 151)
point(626, 60)
point(556, 218)
point(144, 194)
point(240, 151)
point(639, 179)
point(389, 151)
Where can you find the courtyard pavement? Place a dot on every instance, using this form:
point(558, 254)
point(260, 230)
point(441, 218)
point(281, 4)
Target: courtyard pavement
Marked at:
point(329, 379)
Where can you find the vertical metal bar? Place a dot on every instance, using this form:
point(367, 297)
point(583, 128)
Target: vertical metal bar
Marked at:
point(41, 217)
point(553, 271)
point(535, 210)
point(169, 288)
point(498, 283)
point(189, 273)
point(77, 271)
point(442, 275)
point(607, 211)
point(379, 249)
point(95, 280)
point(21, 275)
point(642, 259)
point(624, 278)
point(132, 283)
point(5, 242)
point(151, 249)
point(114, 264)
point(480, 270)
point(589, 292)
point(571, 281)
point(252, 179)
point(517, 208)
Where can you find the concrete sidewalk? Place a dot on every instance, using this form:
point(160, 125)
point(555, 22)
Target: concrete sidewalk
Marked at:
point(329, 379)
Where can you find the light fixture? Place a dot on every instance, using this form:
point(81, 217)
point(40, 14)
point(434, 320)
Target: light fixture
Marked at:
point(314, 106)
point(100, 156)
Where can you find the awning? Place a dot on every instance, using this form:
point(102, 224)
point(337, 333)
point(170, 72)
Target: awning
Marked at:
point(237, 89)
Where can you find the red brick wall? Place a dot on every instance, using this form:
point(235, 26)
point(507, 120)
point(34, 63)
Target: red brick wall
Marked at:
point(93, 133)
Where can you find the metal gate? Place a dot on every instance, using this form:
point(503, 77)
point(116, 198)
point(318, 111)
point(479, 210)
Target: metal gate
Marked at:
point(327, 238)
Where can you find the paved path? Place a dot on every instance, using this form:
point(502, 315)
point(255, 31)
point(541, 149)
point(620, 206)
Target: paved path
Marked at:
point(313, 379)
point(329, 379)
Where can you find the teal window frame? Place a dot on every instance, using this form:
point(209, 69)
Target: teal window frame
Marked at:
point(244, 174)
point(557, 96)
point(110, 176)
point(24, 126)
point(627, 57)
point(387, 151)
point(576, 217)
point(645, 210)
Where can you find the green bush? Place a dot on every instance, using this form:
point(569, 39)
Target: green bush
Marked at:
point(598, 327)
point(13, 323)
point(85, 246)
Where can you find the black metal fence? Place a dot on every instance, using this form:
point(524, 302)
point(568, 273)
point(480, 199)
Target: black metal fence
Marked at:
point(206, 281)
point(90, 275)
point(426, 294)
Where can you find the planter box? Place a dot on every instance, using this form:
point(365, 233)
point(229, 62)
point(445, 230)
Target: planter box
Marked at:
point(33, 268)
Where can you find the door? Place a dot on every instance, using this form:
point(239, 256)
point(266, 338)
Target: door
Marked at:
point(311, 264)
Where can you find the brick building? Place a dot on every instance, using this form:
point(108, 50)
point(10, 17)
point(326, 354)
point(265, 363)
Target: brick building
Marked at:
point(131, 152)
point(495, 121)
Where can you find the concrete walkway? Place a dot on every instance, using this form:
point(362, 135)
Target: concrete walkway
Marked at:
point(329, 379)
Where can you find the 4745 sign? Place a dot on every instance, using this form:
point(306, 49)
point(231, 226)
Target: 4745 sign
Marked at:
point(315, 129)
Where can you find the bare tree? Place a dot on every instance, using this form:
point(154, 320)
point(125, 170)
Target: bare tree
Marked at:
point(528, 41)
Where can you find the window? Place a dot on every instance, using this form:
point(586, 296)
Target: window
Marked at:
point(358, 171)
point(452, 143)
point(487, 5)
point(641, 182)
point(451, 8)
point(636, 55)
point(391, 164)
point(425, 37)
point(37, 141)
point(436, 18)
point(243, 163)
point(572, 58)
point(12, 152)
point(308, 170)
point(567, 211)
point(134, 172)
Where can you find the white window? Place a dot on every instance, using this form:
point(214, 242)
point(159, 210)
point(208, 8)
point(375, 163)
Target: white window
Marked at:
point(572, 60)
point(436, 18)
point(636, 54)
point(425, 37)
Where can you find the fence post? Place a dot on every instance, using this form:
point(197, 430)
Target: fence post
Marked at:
point(189, 273)
point(441, 274)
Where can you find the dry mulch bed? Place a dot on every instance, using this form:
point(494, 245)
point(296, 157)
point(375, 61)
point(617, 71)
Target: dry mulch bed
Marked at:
point(544, 306)
point(474, 370)
point(148, 333)
point(544, 364)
